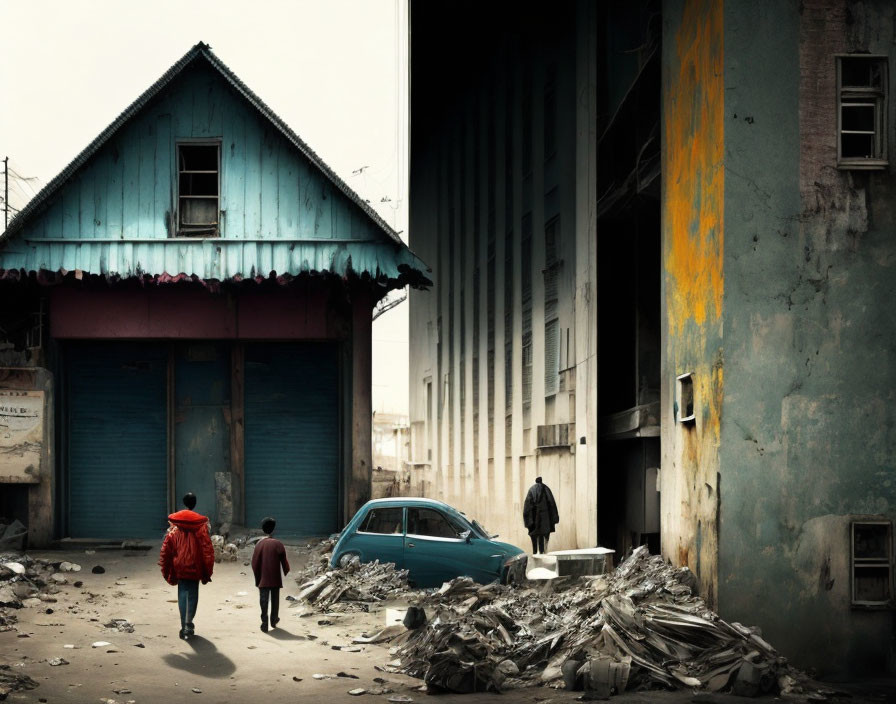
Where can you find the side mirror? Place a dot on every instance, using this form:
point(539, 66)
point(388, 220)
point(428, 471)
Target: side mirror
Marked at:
point(467, 535)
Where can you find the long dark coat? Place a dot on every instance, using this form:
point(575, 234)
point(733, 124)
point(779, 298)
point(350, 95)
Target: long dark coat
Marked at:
point(540, 510)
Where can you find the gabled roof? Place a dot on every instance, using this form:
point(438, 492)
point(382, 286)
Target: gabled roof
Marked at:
point(198, 52)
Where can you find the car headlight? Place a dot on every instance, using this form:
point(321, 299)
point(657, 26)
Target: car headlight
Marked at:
point(513, 559)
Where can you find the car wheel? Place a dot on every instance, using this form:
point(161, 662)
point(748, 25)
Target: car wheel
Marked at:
point(347, 558)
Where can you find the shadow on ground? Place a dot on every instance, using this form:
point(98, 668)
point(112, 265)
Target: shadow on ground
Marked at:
point(206, 660)
point(280, 634)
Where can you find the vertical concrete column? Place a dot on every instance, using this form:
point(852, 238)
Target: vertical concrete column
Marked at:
point(586, 275)
point(40, 496)
point(237, 432)
point(357, 489)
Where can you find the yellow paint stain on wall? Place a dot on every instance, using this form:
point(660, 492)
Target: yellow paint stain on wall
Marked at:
point(694, 179)
point(693, 247)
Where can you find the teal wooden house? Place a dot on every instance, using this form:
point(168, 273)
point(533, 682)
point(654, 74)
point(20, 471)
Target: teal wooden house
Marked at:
point(187, 307)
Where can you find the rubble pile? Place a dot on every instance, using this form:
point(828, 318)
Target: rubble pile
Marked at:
point(12, 535)
point(372, 581)
point(12, 681)
point(25, 581)
point(639, 627)
point(318, 559)
point(224, 552)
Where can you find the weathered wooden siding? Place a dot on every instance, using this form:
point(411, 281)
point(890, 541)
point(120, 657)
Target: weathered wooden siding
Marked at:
point(116, 214)
point(128, 189)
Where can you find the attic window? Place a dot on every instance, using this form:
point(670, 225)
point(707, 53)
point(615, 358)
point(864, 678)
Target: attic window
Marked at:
point(198, 189)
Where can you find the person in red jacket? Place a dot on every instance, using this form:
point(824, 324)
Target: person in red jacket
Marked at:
point(187, 558)
point(268, 558)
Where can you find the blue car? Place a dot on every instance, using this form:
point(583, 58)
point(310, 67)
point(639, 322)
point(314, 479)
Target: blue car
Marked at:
point(430, 539)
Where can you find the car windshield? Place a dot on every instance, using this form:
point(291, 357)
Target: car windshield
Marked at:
point(482, 531)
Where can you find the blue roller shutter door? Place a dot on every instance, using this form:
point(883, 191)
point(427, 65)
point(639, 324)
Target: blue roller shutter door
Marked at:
point(117, 450)
point(292, 436)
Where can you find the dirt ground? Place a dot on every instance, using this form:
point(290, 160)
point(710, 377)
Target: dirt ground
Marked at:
point(229, 659)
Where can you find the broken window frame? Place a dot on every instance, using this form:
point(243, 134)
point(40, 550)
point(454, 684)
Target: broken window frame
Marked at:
point(875, 97)
point(884, 562)
point(686, 392)
point(197, 229)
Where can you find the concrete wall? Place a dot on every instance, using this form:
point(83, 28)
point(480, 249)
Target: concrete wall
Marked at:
point(39, 478)
point(777, 297)
point(808, 431)
point(473, 464)
point(693, 235)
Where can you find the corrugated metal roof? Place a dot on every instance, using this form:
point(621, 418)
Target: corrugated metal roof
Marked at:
point(212, 260)
point(199, 51)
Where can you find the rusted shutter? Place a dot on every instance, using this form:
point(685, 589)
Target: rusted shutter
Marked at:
point(117, 440)
point(293, 437)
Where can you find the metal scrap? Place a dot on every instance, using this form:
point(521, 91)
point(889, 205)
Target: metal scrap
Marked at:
point(355, 582)
point(639, 627)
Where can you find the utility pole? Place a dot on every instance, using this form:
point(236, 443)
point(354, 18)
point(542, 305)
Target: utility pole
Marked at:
point(6, 192)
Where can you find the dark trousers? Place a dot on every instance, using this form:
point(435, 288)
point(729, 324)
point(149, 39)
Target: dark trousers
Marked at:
point(187, 598)
point(539, 543)
point(272, 594)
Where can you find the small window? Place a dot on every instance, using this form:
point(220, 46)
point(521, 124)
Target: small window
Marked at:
point(431, 523)
point(383, 520)
point(872, 547)
point(861, 121)
point(685, 405)
point(198, 189)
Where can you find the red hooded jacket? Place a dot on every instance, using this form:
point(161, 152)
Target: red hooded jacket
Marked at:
point(187, 551)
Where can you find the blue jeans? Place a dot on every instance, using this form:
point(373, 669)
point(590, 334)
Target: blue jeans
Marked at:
point(187, 598)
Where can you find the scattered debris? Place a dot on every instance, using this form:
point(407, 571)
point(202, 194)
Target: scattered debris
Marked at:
point(12, 536)
point(224, 551)
point(54, 662)
point(122, 625)
point(356, 582)
point(639, 627)
point(11, 681)
point(69, 567)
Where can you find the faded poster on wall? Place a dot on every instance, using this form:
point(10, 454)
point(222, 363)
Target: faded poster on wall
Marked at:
point(21, 435)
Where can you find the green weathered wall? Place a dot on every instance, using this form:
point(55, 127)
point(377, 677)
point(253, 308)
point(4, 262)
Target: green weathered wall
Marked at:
point(807, 434)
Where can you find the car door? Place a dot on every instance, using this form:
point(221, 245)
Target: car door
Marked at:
point(380, 536)
point(435, 550)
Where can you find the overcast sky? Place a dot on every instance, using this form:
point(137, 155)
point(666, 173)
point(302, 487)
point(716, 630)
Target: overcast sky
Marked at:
point(334, 70)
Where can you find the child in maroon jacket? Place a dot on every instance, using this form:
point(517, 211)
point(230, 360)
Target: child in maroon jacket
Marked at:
point(187, 558)
point(267, 559)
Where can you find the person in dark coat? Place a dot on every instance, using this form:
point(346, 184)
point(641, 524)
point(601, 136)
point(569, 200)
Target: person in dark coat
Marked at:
point(187, 558)
point(540, 515)
point(268, 558)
